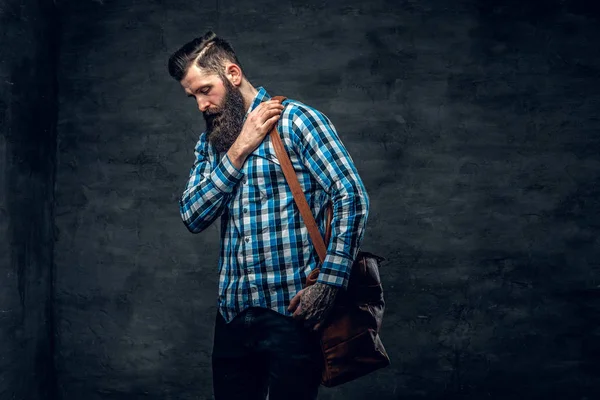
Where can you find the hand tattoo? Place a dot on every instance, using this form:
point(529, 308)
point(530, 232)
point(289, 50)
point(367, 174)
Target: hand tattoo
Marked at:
point(316, 303)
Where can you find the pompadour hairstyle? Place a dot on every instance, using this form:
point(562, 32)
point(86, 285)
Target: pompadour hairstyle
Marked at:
point(208, 52)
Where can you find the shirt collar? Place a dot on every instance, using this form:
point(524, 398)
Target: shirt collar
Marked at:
point(261, 96)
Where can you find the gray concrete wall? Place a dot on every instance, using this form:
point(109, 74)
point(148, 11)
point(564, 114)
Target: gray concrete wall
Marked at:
point(27, 166)
point(473, 125)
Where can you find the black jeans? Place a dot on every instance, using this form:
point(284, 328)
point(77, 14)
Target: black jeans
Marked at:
point(263, 351)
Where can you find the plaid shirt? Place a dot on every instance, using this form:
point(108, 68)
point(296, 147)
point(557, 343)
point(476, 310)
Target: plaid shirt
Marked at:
point(266, 252)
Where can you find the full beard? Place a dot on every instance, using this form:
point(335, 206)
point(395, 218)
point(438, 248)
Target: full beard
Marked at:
point(224, 125)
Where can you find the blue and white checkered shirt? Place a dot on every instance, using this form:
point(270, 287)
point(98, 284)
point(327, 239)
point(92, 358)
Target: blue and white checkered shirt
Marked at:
point(266, 252)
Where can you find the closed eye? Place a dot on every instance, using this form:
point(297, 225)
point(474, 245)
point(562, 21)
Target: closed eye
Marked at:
point(204, 90)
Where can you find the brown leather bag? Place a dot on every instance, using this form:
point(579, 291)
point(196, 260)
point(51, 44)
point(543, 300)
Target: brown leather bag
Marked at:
point(350, 337)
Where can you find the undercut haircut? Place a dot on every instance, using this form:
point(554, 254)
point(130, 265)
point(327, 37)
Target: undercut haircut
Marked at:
point(208, 52)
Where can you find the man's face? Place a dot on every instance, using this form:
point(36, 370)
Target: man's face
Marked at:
point(221, 104)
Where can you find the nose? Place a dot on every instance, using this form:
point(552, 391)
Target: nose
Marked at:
point(203, 105)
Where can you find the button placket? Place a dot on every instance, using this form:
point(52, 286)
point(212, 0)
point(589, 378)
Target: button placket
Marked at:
point(253, 294)
point(243, 208)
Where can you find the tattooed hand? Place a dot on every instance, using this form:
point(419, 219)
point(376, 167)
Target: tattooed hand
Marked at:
point(313, 304)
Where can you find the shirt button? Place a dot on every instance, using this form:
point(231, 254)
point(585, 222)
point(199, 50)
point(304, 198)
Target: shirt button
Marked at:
point(245, 210)
point(247, 239)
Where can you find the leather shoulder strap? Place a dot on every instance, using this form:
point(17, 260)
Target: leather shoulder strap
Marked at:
point(299, 198)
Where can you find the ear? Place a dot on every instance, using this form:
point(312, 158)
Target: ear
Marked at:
point(234, 73)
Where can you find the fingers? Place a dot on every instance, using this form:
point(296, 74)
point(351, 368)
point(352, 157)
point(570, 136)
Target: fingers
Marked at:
point(295, 302)
point(268, 114)
point(270, 104)
point(298, 313)
point(269, 107)
point(271, 113)
point(269, 123)
point(265, 115)
point(258, 124)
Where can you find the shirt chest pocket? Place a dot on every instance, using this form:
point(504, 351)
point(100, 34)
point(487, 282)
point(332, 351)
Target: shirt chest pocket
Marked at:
point(264, 172)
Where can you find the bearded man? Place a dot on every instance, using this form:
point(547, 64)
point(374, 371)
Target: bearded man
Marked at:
point(266, 329)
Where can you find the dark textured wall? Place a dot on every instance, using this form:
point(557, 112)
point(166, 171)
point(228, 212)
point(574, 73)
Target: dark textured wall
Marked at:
point(27, 163)
point(473, 125)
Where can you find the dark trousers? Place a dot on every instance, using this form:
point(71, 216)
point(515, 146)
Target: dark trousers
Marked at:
point(263, 351)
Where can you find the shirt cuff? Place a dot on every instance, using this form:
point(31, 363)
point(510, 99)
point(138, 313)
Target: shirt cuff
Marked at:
point(225, 176)
point(335, 271)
